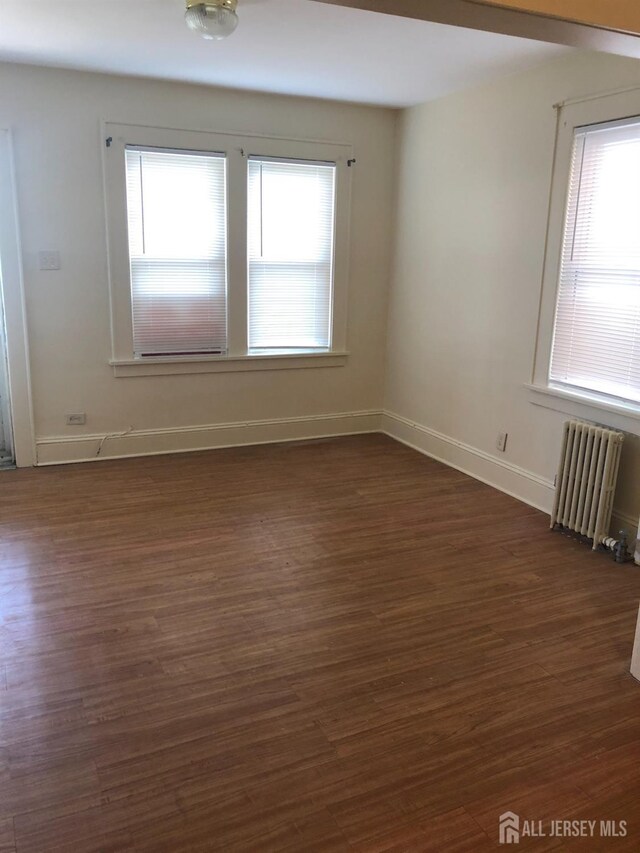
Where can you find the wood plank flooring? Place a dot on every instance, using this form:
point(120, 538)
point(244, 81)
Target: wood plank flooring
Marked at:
point(331, 646)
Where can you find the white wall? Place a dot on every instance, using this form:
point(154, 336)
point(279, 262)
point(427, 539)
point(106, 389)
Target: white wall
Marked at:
point(55, 118)
point(473, 194)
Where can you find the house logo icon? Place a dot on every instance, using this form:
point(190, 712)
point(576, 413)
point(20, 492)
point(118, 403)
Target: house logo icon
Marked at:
point(509, 828)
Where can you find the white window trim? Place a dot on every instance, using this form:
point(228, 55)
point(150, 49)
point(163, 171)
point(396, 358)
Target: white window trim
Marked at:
point(238, 147)
point(15, 313)
point(542, 392)
point(172, 366)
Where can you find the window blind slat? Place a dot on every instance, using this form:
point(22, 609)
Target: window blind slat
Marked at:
point(290, 253)
point(596, 344)
point(176, 205)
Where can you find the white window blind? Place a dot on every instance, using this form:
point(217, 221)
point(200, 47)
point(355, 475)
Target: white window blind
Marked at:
point(596, 344)
point(291, 210)
point(177, 245)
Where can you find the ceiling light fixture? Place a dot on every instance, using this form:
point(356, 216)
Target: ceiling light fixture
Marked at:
point(215, 19)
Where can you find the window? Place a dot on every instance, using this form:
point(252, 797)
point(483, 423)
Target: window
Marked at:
point(177, 250)
point(587, 361)
point(291, 207)
point(596, 343)
point(225, 249)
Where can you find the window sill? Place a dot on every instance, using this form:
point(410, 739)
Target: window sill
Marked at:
point(173, 366)
point(586, 407)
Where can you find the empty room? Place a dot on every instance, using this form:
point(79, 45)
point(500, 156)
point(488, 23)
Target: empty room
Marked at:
point(319, 425)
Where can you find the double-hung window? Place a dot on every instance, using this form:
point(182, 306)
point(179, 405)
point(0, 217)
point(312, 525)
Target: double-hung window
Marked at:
point(291, 228)
point(589, 336)
point(177, 222)
point(596, 343)
point(225, 249)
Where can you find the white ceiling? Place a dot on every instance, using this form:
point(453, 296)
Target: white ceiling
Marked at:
point(297, 47)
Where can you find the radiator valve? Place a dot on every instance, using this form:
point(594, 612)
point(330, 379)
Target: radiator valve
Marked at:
point(618, 547)
point(620, 550)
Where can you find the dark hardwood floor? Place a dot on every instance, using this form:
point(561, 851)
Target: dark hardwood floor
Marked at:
point(338, 645)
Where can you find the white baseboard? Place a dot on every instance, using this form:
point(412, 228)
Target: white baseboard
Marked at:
point(517, 482)
point(514, 481)
point(623, 521)
point(57, 450)
point(502, 475)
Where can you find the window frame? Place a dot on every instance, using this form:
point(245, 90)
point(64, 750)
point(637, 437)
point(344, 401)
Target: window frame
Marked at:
point(146, 261)
point(237, 147)
point(618, 106)
point(258, 266)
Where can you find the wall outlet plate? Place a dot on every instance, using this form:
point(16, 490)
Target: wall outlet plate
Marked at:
point(76, 419)
point(501, 441)
point(49, 260)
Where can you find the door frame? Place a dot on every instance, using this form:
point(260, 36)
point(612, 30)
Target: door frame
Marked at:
point(6, 432)
point(15, 314)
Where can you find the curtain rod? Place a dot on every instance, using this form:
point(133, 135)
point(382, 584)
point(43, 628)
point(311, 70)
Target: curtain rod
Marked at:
point(585, 98)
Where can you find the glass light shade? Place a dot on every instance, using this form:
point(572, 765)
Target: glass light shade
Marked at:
point(211, 21)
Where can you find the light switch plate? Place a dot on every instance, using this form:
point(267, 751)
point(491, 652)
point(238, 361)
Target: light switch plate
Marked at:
point(49, 260)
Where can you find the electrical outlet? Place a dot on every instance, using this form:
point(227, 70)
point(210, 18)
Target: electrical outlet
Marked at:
point(76, 419)
point(501, 441)
point(49, 260)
